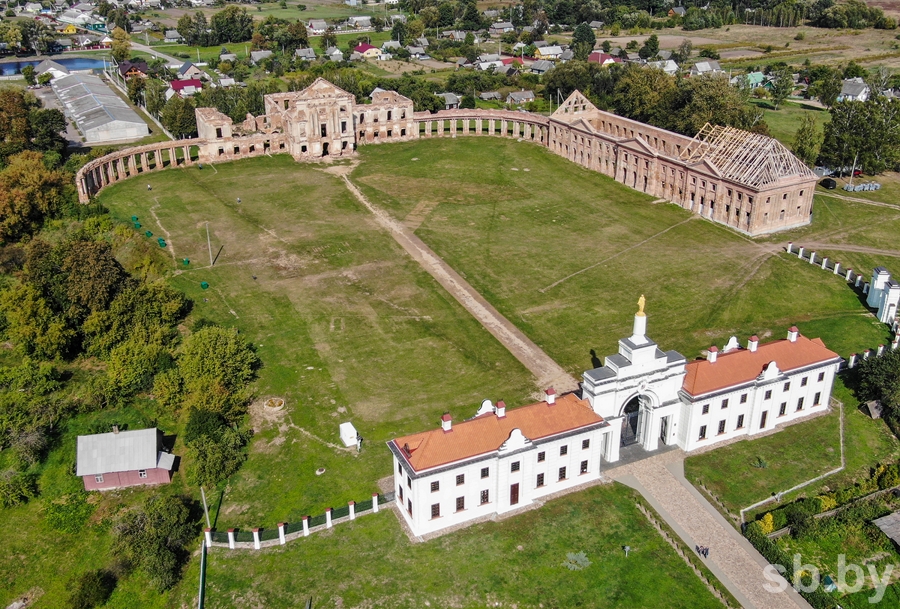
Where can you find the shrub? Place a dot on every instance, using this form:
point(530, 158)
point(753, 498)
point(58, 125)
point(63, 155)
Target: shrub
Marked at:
point(826, 502)
point(215, 460)
point(767, 523)
point(92, 589)
point(203, 423)
point(800, 36)
point(16, 488)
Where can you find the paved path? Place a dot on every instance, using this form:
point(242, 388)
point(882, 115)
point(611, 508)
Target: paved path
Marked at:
point(660, 479)
point(155, 52)
point(547, 371)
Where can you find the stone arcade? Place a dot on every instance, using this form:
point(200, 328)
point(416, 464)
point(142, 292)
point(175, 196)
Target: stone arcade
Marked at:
point(504, 459)
point(747, 181)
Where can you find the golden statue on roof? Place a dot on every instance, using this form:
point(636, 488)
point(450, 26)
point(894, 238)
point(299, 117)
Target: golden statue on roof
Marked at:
point(641, 302)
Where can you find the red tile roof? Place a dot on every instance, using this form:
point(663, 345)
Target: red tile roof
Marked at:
point(510, 60)
point(742, 365)
point(602, 58)
point(486, 433)
point(364, 47)
point(178, 85)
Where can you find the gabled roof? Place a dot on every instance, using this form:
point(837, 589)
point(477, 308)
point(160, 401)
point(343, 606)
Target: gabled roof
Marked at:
point(486, 433)
point(742, 365)
point(542, 65)
point(187, 65)
point(178, 85)
point(125, 451)
point(362, 48)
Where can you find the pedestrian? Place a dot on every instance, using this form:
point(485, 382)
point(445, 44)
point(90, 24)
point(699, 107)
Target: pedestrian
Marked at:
point(239, 199)
point(707, 553)
point(149, 187)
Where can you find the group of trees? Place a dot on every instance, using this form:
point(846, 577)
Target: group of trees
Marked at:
point(867, 133)
point(233, 24)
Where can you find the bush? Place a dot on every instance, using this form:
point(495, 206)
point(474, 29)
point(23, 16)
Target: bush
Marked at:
point(69, 515)
point(709, 53)
point(767, 523)
point(800, 36)
point(203, 423)
point(92, 589)
point(215, 460)
point(16, 488)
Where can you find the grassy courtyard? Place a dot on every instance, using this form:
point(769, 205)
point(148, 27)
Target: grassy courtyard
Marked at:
point(565, 253)
point(515, 562)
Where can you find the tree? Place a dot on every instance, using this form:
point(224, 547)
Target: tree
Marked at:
point(152, 538)
point(216, 459)
point(866, 132)
point(827, 87)
point(91, 589)
point(328, 39)
point(233, 24)
point(94, 276)
point(16, 488)
point(650, 48)
point(879, 379)
point(782, 86)
point(854, 70)
point(414, 28)
point(155, 96)
point(583, 41)
point(45, 78)
point(643, 94)
point(218, 354)
point(468, 102)
point(807, 140)
point(178, 116)
point(28, 193)
point(121, 45)
point(45, 126)
point(32, 326)
point(28, 73)
point(132, 365)
point(684, 51)
point(399, 33)
point(14, 124)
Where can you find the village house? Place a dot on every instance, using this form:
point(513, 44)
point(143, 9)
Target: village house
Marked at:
point(417, 52)
point(305, 54)
point(123, 458)
point(172, 36)
point(541, 66)
point(707, 66)
point(334, 54)
point(359, 22)
point(602, 58)
point(451, 100)
point(517, 98)
point(130, 69)
point(551, 52)
point(189, 70)
point(258, 56)
point(854, 89)
point(677, 11)
point(317, 27)
point(502, 27)
point(367, 51)
point(183, 88)
point(668, 66)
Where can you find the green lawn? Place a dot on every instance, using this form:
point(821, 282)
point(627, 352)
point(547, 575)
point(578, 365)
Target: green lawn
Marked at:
point(347, 326)
point(565, 253)
point(794, 455)
point(518, 561)
point(784, 122)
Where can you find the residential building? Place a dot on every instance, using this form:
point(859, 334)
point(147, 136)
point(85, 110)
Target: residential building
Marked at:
point(501, 28)
point(677, 11)
point(551, 52)
point(367, 51)
point(417, 52)
point(391, 45)
point(183, 88)
point(172, 36)
point(451, 100)
point(334, 54)
point(854, 89)
point(490, 96)
point(130, 69)
point(668, 66)
point(603, 58)
point(596, 25)
point(541, 66)
point(189, 70)
point(307, 54)
point(707, 66)
point(518, 98)
point(359, 22)
point(123, 458)
point(317, 26)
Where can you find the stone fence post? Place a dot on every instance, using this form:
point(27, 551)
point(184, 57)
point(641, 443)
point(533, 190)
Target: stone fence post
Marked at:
point(812, 258)
point(230, 539)
point(306, 526)
point(825, 263)
point(256, 538)
point(328, 518)
point(800, 252)
point(281, 533)
point(851, 363)
point(375, 499)
point(837, 268)
point(352, 506)
point(880, 351)
point(790, 247)
point(207, 532)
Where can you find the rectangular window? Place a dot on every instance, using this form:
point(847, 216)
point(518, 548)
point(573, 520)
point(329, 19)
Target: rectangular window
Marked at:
point(389, 115)
point(435, 486)
point(816, 399)
point(515, 466)
point(399, 468)
point(562, 473)
point(485, 472)
point(343, 126)
point(409, 482)
point(460, 479)
point(787, 386)
point(540, 480)
point(324, 130)
point(541, 456)
point(725, 403)
point(740, 422)
point(722, 426)
point(705, 409)
point(585, 444)
point(460, 504)
point(702, 432)
point(142, 473)
point(98, 478)
point(743, 398)
point(782, 409)
point(485, 497)
point(436, 510)
point(409, 506)
point(763, 419)
point(803, 381)
point(800, 404)
point(401, 495)
point(768, 395)
point(821, 376)
point(583, 469)
point(563, 450)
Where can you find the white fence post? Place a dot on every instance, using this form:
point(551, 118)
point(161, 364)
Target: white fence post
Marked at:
point(800, 252)
point(837, 268)
point(207, 532)
point(375, 495)
point(849, 274)
point(852, 361)
point(256, 538)
point(790, 247)
point(328, 518)
point(352, 505)
point(825, 263)
point(281, 533)
point(880, 351)
point(306, 526)
point(230, 539)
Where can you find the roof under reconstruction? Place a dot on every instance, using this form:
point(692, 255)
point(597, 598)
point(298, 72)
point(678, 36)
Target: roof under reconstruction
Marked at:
point(93, 104)
point(745, 157)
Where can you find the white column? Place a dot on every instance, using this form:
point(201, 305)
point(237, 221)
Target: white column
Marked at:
point(207, 532)
point(849, 273)
point(895, 343)
point(328, 518)
point(230, 539)
point(837, 268)
point(790, 247)
point(352, 505)
point(880, 351)
point(812, 258)
point(374, 502)
point(800, 252)
point(306, 526)
point(281, 533)
point(824, 262)
point(256, 538)
point(852, 361)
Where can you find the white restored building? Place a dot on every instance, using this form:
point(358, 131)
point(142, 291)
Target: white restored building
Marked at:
point(502, 460)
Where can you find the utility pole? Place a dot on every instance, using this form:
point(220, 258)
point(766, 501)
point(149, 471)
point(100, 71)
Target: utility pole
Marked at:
point(205, 508)
point(209, 245)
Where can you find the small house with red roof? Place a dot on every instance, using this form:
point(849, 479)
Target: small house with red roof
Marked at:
point(184, 88)
point(602, 58)
point(368, 51)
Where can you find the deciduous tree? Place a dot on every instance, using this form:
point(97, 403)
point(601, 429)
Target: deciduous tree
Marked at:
point(807, 140)
point(121, 45)
point(28, 193)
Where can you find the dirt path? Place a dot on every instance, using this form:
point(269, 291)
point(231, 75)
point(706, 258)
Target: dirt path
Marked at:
point(547, 372)
point(843, 247)
point(660, 479)
point(856, 200)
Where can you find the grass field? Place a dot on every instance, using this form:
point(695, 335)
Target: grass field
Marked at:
point(799, 453)
point(516, 562)
point(348, 328)
point(565, 252)
point(784, 122)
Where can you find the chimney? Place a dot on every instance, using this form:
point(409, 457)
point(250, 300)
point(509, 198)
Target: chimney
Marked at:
point(446, 421)
point(753, 343)
point(501, 409)
point(551, 396)
point(713, 354)
point(793, 332)
point(115, 429)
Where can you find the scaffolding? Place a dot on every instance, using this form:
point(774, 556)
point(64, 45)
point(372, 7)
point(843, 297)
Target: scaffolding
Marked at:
point(745, 157)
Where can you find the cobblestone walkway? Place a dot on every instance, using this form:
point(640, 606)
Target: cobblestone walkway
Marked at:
point(660, 479)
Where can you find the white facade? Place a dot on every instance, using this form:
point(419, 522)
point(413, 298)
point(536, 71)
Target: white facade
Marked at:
point(884, 295)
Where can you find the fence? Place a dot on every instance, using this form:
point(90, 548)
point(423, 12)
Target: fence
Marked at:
point(858, 283)
point(261, 537)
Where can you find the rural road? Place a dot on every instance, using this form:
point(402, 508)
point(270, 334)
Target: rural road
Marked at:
point(547, 371)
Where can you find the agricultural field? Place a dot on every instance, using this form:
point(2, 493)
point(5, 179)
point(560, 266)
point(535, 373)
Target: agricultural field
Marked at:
point(564, 253)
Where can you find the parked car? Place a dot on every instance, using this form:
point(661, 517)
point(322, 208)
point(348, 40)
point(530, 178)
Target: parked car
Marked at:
point(828, 183)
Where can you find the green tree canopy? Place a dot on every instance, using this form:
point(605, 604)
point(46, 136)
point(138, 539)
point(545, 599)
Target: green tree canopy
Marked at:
point(807, 140)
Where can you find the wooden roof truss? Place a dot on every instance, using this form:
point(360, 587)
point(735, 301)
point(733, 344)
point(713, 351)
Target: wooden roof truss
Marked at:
point(745, 157)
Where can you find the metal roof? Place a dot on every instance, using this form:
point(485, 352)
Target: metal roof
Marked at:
point(889, 525)
point(118, 452)
point(92, 103)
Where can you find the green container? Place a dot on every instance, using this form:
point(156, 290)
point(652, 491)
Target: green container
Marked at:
point(204, 285)
point(137, 224)
point(186, 262)
point(149, 234)
point(162, 243)
point(134, 218)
